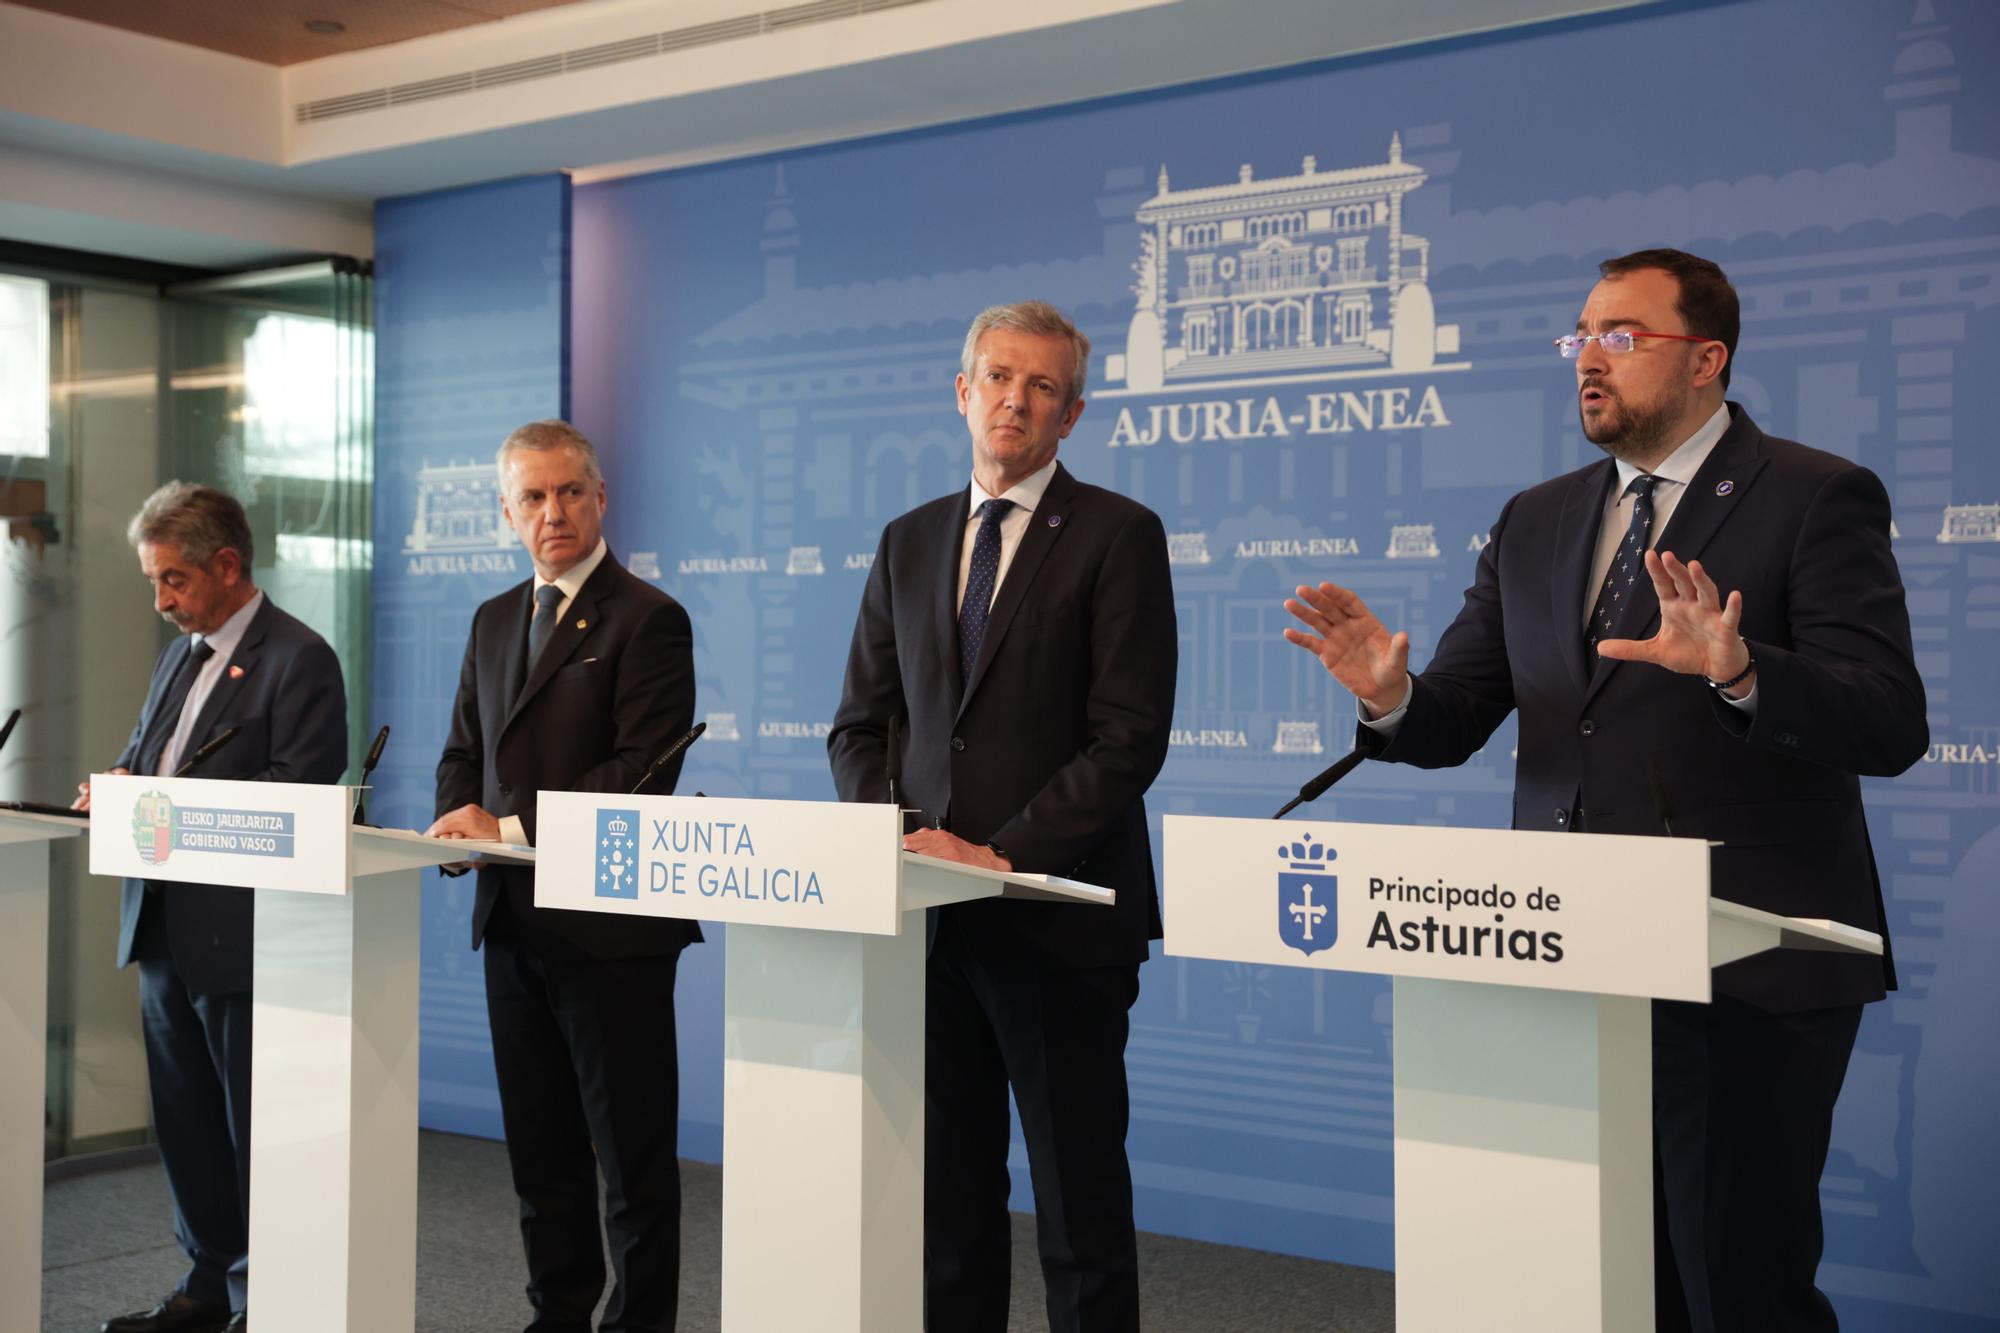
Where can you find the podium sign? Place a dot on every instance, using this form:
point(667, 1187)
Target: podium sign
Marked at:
point(209, 831)
point(333, 1059)
point(800, 864)
point(1551, 911)
point(823, 1026)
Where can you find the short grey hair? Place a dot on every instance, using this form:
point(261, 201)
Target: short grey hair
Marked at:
point(541, 436)
point(199, 521)
point(1038, 318)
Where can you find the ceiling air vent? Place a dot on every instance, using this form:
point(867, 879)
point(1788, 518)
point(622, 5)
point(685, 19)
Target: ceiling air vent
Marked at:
point(591, 57)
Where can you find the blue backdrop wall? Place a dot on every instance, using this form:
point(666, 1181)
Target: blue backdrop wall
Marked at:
point(471, 340)
point(1323, 301)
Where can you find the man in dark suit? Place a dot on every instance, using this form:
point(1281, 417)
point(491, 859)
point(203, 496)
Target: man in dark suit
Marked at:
point(243, 663)
point(1025, 629)
point(1592, 615)
point(576, 680)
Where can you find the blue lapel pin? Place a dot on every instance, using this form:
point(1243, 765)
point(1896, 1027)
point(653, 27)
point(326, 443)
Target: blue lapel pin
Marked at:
point(1055, 520)
point(1724, 487)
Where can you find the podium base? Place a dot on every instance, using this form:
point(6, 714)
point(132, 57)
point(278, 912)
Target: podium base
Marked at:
point(1524, 1178)
point(24, 1018)
point(333, 1155)
point(823, 1130)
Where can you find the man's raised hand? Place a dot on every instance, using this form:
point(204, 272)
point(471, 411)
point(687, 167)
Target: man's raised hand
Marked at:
point(1355, 648)
point(1698, 626)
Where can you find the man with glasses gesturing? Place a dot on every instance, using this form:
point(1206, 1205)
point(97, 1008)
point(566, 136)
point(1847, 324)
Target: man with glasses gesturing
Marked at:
point(1599, 611)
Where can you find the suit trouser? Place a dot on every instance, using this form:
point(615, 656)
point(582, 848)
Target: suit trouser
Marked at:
point(198, 1070)
point(584, 1049)
point(1742, 1118)
point(1058, 1036)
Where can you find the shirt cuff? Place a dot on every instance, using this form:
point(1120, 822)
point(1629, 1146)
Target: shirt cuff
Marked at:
point(513, 830)
point(1387, 723)
point(1747, 704)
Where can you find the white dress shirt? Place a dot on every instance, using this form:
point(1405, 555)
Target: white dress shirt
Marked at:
point(224, 642)
point(1673, 476)
point(571, 581)
point(1671, 479)
point(1027, 496)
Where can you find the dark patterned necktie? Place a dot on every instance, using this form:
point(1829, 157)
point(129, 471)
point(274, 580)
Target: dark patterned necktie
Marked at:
point(543, 628)
point(979, 585)
point(160, 726)
point(1627, 564)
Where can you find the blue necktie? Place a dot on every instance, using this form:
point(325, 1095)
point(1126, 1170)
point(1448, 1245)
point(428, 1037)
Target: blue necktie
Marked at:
point(979, 585)
point(543, 628)
point(1626, 565)
point(160, 726)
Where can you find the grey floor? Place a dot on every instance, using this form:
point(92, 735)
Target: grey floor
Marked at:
point(108, 1248)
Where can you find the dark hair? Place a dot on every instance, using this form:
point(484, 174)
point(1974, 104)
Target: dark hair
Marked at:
point(199, 521)
point(1707, 303)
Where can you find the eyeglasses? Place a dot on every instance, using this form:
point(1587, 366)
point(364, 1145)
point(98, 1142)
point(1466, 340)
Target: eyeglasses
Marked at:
point(1571, 345)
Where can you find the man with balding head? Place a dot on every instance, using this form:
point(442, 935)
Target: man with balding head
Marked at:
point(575, 680)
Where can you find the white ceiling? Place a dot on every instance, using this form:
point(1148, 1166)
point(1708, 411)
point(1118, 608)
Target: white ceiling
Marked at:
point(131, 144)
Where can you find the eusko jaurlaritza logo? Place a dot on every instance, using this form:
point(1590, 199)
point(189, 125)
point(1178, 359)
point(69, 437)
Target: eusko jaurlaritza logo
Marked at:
point(153, 827)
point(1308, 919)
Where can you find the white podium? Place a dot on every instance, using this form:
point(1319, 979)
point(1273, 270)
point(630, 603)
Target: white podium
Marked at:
point(333, 1143)
point(823, 1077)
point(1523, 980)
point(24, 1023)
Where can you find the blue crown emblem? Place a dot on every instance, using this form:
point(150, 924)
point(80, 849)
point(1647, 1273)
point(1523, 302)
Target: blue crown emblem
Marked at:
point(617, 854)
point(1308, 916)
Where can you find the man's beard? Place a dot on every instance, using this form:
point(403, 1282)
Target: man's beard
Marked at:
point(1629, 433)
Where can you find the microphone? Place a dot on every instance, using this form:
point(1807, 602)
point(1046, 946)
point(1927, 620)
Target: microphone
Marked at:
point(894, 764)
point(367, 767)
point(196, 759)
point(1663, 804)
point(8, 729)
point(1316, 788)
point(667, 756)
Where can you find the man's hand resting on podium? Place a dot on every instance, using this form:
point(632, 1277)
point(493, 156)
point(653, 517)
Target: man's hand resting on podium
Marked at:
point(82, 801)
point(468, 821)
point(1355, 648)
point(950, 847)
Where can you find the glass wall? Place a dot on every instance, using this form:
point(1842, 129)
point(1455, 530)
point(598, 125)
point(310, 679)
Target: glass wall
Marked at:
point(257, 383)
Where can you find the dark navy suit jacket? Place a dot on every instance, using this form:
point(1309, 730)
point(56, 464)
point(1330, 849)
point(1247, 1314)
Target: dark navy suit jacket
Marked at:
point(283, 688)
point(612, 690)
point(1805, 536)
point(1048, 748)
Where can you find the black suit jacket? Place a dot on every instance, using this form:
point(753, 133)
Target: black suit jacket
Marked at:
point(283, 688)
point(1048, 748)
point(613, 689)
point(1805, 536)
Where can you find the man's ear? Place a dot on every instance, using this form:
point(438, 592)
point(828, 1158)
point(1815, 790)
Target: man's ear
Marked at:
point(227, 566)
point(1709, 362)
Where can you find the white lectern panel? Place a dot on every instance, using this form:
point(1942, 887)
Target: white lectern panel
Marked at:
point(1550, 911)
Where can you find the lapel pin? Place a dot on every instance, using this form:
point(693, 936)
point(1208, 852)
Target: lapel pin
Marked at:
point(1055, 520)
point(583, 624)
point(1724, 487)
point(236, 673)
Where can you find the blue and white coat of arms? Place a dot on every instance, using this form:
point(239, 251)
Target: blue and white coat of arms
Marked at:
point(618, 853)
point(1308, 916)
